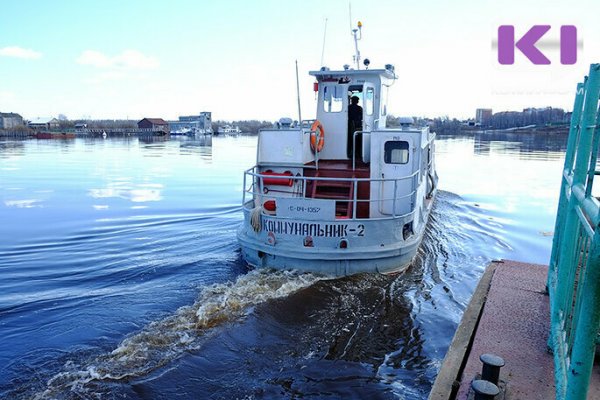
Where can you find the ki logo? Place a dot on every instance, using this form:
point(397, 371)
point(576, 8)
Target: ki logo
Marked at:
point(526, 44)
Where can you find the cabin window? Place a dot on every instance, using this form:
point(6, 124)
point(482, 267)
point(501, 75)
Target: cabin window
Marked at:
point(369, 101)
point(384, 100)
point(396, 152)
point(333, 100)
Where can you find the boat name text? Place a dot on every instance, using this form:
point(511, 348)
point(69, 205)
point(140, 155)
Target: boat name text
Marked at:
point(314, 229)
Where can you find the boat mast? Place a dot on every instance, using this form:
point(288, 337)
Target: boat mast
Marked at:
point(298, 92)
point(323, 49)
point(357, 35)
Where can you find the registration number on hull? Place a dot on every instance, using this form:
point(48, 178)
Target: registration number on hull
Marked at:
point(310, 209)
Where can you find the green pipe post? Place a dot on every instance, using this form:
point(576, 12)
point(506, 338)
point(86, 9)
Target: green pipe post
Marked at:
point(579, 174)
point(568, 166)
point(584, 346)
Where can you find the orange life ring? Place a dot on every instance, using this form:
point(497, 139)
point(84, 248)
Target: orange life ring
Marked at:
point(314, 144)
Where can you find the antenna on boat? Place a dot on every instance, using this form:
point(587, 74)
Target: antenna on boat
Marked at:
point(357, 35)
point(324, 36)
point(298, 92)
point(350, 15)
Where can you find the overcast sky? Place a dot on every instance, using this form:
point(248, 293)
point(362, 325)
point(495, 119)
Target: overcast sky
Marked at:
point(119, 59)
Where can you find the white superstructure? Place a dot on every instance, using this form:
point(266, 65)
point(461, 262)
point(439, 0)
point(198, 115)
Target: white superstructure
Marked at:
point(336, 195)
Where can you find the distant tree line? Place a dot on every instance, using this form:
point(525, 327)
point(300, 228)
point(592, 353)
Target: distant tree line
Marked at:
point(540, 117)
point(529, 116)
point(442, 125)
point(99, 123)
point(247, 126)
point(445, 125)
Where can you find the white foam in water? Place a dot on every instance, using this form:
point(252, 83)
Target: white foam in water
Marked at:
point(164, 340)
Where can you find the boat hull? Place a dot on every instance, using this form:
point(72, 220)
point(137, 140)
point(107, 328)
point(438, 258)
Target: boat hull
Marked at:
point(373, 246)
point(55, 135)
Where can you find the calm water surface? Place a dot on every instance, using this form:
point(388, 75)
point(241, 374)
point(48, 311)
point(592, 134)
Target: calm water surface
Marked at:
point(120, 275)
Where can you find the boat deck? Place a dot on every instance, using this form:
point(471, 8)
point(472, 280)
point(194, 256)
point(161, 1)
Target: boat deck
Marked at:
point(342, 191)
point(509, 316)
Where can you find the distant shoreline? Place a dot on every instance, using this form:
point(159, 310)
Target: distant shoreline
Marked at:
point(536, 130)
point(545, 130)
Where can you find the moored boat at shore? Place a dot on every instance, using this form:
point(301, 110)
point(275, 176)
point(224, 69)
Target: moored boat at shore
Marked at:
point(55, 135)
point(228, 130)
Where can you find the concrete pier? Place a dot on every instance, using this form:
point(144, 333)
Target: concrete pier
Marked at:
point(509, 316)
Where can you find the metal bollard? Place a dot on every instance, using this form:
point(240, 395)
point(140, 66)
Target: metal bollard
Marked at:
point(491, 367)
point(484, 390)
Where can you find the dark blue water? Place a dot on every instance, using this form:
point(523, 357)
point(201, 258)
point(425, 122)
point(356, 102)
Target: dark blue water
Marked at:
point(120, 275)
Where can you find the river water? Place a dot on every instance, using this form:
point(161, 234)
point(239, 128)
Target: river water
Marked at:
point(121, 278)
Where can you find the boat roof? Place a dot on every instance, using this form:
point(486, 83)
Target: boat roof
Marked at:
point(326, 73)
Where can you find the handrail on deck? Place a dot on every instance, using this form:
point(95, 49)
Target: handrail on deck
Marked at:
point(355, 181)
point(574, 269)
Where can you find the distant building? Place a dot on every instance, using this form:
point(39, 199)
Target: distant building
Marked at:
point(201, 123)
point(44, 123)
point(483, 116)
point(156, 124)
point(10, 120)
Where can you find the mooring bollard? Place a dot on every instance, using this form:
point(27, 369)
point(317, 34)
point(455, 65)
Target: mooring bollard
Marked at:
point(484, 390)
point(491, 367)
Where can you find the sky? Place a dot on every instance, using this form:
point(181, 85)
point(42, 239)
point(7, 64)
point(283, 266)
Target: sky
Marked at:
point(134, 59)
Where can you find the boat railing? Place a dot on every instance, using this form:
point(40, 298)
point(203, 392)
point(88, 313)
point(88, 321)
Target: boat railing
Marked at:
point(574, 269)
point(254, 188)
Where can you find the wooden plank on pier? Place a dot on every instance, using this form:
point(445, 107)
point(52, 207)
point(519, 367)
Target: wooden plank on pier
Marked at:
point(447, 382)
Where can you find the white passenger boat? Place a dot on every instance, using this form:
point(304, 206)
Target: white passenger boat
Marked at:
point(182, 131)
point(229, 130)
point(331, 197)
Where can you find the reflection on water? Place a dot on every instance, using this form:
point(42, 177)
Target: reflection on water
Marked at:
point(122, 189)
point(515, 183)
point(12, 148)
point(526, 145)
point(120, 276)
point(201, 146)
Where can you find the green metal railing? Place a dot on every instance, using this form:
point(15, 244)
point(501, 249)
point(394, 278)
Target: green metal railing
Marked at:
point(574, 270)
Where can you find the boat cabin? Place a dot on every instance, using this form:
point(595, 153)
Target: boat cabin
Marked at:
point(371, 171)
point(336, 89)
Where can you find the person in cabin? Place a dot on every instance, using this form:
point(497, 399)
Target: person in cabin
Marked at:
point(355, 117)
